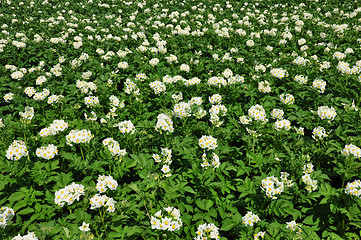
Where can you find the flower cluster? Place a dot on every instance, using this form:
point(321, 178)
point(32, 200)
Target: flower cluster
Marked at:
point(54, 99)
point(351, 149)
point(6, 214)
point(177, 97)
point(287, 98)
point(41, 95)
point(277, 113)
point(16, 150)
point(184, 68)
point(192, 81)
point(199, 113)
point(17, 75)
point(105, 182)
point(354, 188)
point(114, 147)
point(153, 62)
point(245, 120)
point(287, 182)
point(86, 87)
point(78, 136)
point(319, 133)
point(257, 113)
point(301, 79)
point(40, 80)
point(164, 123)
point(210, 162)
point(131, 87)
point(69, 194)
point(165, 159)
point(217, 81)
point(170, 221)
point(325, 112)
point(158, 87)
point(250, 219)
point(54, 128)
point(215, 99)
point(28, 114)
point(207, 231)
point(215, 112)
point(208, 142)
point(279, 73)
point(126, 127)
point(91, 101)
point(272, 186)
point(182, 110)
point(29, 236)
point(195, 101)
point(259, 235)
point(115, 102)
point(8, 97)
point(260, 68)
point(98, 201)
point(311, 185)
point(293, 226)
point(47, 152)
point(319, 85)
point(283, 124)
point(264, 87)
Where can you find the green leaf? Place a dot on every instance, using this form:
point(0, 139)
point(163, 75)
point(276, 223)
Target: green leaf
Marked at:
point(227, 225)
point(16, 197)
point(20, 205)
point(25, 211)
point(189, 189)
point(208, 204)
point(201, 203)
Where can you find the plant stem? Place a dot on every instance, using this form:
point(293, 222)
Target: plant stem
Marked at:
point(81, 150)
point(25, 141)
point(102, 218)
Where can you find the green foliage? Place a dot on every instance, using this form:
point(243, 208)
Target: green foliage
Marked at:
point(220, 185)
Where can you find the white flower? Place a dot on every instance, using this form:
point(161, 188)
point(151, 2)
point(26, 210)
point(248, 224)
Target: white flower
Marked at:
point(182, 110)
point(8, 97)
point(282, 124)
point(258, 113)
point(114, 147)
point(164, 123)
point(249, 219)
point(272, 187)
point(17, 75)
point(158, 87)
point(84, 227)
point(165, 169)
point(279, 73)
point(325, 112)
point(78, 136)
point(6, 214)
point(207, 230)
point(126, 127)
point(208, 142)
point(287, 98)
point(105, 182)
point(69, 194)
point(47, 152)
point(354, 188)
point(16, 150)
point(293, 226)
point(169, 221)
point(319, 133)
